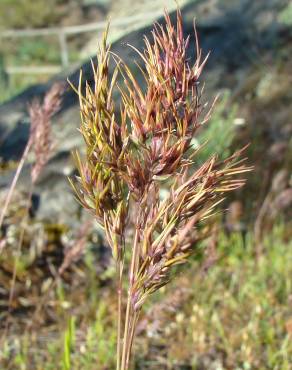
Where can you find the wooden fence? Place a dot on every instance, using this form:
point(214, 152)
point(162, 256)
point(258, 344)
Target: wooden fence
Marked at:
point(62, 34)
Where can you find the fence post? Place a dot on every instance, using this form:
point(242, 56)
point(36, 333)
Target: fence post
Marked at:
point(64, 32)
point(64, 49)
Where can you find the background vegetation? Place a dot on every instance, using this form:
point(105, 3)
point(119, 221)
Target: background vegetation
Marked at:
point(231, 312)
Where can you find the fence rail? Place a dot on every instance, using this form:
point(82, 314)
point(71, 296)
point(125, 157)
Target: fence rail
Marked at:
point(62, 33)
point(73, 30)
point(33, 70)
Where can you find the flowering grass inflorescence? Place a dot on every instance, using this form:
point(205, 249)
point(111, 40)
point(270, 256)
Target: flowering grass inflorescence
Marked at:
point(132, 155)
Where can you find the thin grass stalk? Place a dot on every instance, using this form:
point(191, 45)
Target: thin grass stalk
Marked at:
point(14, 181)
point(126, 331)
point(18, 251)
point(40, 141)
point(132, 336)
point(19, 246)
point(119, 274)
point(126, 343)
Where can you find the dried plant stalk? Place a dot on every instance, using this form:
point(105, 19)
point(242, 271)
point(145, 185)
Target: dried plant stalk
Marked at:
point(39, 141)
point(130, 157)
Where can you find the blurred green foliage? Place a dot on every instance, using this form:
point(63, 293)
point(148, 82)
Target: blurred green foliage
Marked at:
point(69, 343)
point(218, 133)
point(37, 50)
point(285, 15)
point(18, 14)
point(29, 13)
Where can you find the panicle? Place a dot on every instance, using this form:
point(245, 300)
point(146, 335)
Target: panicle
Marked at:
point(172, 231)
point(99, 187)
point(40, 129)
point(164, 118)
point(127, 159)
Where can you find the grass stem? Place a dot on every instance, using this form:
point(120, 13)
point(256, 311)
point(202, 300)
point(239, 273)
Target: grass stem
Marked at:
point(14, 182)
point(128, 319)
point(119, 293)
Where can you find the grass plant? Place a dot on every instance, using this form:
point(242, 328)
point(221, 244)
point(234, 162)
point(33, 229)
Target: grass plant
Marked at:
point(129, 159)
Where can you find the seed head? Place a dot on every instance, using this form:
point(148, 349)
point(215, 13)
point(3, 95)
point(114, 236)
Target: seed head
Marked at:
point(148, 146)
point(40, 128)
